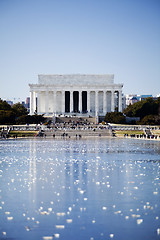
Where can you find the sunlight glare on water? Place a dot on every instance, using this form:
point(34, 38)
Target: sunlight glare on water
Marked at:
point(84, 189)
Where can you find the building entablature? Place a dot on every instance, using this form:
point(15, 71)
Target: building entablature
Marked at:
point(40, 87)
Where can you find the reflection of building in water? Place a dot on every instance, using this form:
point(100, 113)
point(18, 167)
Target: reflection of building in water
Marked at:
point(32, 168)
point(76, 166)
point(79, 94)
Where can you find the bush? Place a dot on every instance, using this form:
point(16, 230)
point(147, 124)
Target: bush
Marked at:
point(7, 117)
point(115, 117)
point(150, 120)
point(30, 119)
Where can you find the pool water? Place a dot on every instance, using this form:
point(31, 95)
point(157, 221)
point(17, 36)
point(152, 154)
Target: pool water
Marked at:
point(90, 189)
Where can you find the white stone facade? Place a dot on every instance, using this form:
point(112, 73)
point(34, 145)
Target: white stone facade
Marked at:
point(77, 94)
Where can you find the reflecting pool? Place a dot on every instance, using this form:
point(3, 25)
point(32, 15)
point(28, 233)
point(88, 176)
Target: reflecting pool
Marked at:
point(91, 189)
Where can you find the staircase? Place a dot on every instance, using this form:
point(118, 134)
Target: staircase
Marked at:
point(77, 133)
point(148, 132)
point(4, 133)
point(76, 119)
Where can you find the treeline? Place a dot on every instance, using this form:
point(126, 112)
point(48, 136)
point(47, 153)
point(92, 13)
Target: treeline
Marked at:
point(17, 114)
point(147, 110)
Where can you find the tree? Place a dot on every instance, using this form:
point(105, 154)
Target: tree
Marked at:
point(17, 114)
point(28, 119)
point(4, 105)
point(150, 120)
point(19, 109)
point(158, 105)
point(115, 117)
point(6, 114)
point(148, 110)
point(142, 108)
point(147, 120)
point(7, 117)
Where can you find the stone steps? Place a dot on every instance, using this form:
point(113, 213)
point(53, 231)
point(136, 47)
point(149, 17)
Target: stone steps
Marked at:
point(75, 132)
point(76, 119)
point(148, 132)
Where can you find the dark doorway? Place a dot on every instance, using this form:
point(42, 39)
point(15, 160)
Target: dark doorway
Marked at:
point(116, 107)
point(75, 101)
point(84, 101)
point(67, 101)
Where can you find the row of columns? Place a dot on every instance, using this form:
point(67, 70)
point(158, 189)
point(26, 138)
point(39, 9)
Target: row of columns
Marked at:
point(33, 101)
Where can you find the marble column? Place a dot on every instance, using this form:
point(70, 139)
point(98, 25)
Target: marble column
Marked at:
point(80, 101)
point(96, 103)
point(46, 102)
point(32, 102)
point(112, 102)
point(54, 102)
point(104, 103)
point(38, 102)
point(88, 102)
point(120, 102)
point(71, 101)
point(63, 102)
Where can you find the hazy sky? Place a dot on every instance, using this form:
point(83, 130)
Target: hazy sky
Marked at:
point(120, 37)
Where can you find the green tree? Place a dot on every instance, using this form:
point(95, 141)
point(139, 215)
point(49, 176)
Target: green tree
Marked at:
point(28, 119)
point(6, 114)
point(115, 117)
point(19, 109)
point(17, 114)
point(142, 108)
point(38, 118)
point(7, 117)
point(148, 110)
point(4, 105)
point(150, 120)
point(158, 105)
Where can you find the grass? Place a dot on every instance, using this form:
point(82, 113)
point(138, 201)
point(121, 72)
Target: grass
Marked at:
point(129, 132)
point(156, 132)
point(22, 133)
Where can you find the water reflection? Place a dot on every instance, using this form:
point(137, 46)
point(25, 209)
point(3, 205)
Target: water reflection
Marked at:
point(32, 176)
point(91, 189)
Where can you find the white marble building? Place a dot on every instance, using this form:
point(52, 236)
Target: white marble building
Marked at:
point(77, 94)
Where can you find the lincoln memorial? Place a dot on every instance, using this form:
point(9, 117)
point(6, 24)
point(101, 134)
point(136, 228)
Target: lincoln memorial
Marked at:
point(77, 94)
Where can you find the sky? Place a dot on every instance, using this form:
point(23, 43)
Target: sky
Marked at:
point(120, 37)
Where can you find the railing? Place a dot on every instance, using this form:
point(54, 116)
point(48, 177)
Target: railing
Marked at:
point(133, 127)
point(31, 127)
